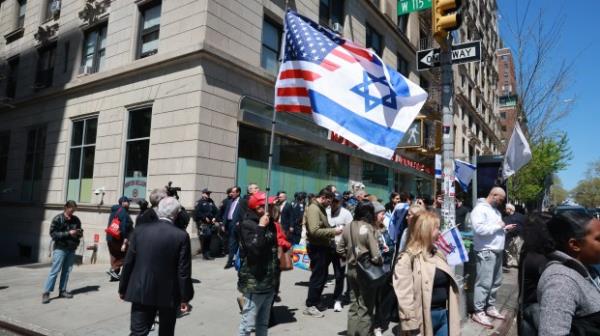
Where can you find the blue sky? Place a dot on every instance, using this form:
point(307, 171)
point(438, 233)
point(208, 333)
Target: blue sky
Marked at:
point(579, 41)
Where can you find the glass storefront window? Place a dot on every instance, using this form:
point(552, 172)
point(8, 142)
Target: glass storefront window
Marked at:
point(376, 179)
point(81, 162)
point(34, 162)
point(136, 155)
point(297, 166)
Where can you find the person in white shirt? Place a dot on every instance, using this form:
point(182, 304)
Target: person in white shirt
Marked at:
point(488, 242)
point(338, 216)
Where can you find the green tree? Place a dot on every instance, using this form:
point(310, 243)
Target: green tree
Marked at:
point(558, 193)
point(549, 156)
point(587, 191)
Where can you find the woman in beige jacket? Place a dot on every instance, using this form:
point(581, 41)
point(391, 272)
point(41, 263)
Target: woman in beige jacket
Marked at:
point(424, 284)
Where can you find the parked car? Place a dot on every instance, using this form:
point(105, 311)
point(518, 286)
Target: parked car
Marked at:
point(595, 212)
point(563, 208)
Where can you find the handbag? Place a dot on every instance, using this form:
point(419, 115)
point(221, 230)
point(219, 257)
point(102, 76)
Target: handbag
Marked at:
point(369, 274)
point(285, 260)
point(113, 228)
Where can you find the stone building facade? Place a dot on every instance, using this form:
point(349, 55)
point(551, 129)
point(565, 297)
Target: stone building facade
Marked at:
point(476, 116)
point(507, 93)
point(104, 98)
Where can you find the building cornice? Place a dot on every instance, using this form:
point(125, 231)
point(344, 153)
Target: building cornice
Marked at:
point(158, 61)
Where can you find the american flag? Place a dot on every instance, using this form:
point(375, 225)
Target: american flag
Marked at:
point(310, 52)
point(346, 88)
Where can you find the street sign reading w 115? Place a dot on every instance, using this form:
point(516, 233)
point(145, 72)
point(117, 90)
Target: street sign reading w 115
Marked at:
point(461, 53)
point(409, 6)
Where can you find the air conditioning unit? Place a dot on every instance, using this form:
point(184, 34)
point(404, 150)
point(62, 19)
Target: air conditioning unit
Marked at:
point(337, 27)
point(86, 70)
point(55, 7)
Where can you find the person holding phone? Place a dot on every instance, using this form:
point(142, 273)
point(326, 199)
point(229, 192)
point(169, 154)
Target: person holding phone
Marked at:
point(258, 277)
point(66, 232)
point(488, 241)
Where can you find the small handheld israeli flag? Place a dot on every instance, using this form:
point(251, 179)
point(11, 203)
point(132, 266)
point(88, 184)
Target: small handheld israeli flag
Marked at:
point(451, 243)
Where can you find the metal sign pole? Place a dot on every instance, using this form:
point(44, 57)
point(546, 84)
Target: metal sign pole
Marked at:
point(448, 209)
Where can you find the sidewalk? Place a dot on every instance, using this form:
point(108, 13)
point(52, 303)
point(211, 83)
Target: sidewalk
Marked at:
point(97, 310)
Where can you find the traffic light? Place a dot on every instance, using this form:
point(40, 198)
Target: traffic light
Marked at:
point(444, 18)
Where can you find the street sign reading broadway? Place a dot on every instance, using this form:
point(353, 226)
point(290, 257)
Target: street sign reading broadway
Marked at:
point(461, 53)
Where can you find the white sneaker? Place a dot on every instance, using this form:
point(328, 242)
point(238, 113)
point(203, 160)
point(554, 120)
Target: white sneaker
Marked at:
point(313, 311)
point(377, 332)
point(482, 319)
point(337, 307)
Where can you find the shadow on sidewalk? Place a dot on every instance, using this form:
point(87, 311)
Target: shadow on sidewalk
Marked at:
point(283, 314)
point(85, 289)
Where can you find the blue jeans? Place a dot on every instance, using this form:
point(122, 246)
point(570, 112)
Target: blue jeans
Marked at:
point(62, 261)
point(439, 321)
point(255, 313)
point(488, 279)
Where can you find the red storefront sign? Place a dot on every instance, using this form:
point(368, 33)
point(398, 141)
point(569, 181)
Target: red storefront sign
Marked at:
point(406, 162)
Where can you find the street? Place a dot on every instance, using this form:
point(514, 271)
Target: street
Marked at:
point(97, 310)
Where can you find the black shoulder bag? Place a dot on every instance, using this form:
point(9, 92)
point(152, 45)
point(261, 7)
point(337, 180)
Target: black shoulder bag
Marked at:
point(369, 274)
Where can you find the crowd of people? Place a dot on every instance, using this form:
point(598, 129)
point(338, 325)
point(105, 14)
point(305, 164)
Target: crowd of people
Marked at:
point(385, 260)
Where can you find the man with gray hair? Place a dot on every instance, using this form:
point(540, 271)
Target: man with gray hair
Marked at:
point(513, 241)
point(156, 276)
point(150, 215)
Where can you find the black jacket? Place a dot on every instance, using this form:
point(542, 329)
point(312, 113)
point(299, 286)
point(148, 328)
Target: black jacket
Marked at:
point(297, 216)
point(238, 212)
point(259, 271)
point(157, 268)
point(59, 231)
point(286, 218)
point(147, 216)
point(205, 211)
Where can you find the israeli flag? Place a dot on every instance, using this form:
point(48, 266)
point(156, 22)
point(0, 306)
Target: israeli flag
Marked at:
point(451, 243)
point(463, 173)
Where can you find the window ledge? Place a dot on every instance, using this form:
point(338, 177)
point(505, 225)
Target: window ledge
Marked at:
point(14, 35)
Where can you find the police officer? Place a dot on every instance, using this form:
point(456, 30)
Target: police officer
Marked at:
point(205, 213)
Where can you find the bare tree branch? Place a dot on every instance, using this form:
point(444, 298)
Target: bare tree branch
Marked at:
point(542, 85)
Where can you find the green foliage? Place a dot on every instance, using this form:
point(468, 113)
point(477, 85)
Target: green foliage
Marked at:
point(549, 156)
point(558, 193)
point(587, 191)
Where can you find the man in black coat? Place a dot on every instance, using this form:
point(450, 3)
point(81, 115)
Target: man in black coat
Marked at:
point(156, 275)
point(234, 213)
point(286, 217)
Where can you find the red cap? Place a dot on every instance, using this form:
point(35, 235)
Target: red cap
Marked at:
point(257, 199)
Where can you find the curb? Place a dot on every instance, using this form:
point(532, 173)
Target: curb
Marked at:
point(19, 330)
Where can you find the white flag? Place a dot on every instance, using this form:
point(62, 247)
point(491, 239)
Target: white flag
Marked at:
point(517, 154)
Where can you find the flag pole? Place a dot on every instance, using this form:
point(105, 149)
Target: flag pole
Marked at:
point(274, 119)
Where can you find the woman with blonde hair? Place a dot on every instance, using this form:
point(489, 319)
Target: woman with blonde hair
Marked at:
point(411, 217)
point(424, 283)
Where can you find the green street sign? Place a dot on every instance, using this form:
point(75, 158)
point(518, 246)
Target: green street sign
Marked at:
point(409, 6)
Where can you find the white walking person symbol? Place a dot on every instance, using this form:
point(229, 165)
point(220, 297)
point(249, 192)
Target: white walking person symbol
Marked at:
point(413, 133)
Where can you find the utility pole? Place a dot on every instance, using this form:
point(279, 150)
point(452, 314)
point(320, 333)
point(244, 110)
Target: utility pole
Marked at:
point(445, 18)
point(448, 208)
